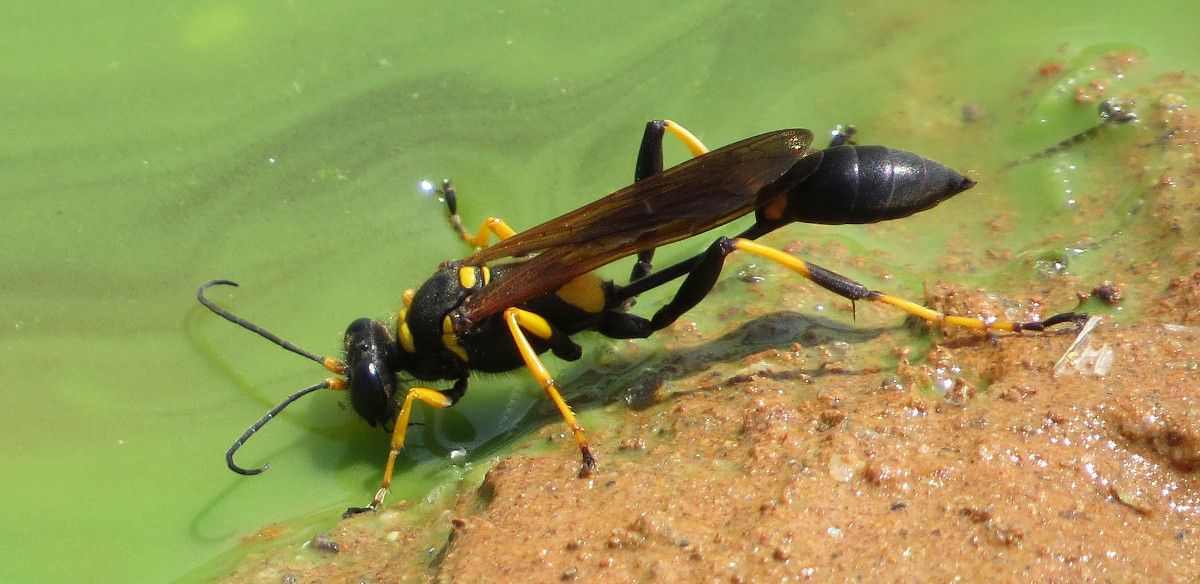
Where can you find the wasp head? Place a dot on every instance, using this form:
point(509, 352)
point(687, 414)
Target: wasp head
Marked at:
point(371, 366)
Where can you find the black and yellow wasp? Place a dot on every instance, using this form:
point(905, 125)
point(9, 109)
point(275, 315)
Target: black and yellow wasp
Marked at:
point(500, 308)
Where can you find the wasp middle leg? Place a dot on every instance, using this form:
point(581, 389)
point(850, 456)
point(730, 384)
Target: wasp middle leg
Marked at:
point(519, 321)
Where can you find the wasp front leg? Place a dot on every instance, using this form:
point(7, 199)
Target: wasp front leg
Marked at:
point(520, 321)
point(433, 397)
point(491, 225)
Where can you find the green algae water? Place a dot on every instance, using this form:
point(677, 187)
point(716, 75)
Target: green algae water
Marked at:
point(151, 147)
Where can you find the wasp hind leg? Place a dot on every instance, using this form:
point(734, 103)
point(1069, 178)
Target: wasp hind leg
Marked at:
point(650, 163)
point(433, 397)
point(519, 321)
point(704, 272)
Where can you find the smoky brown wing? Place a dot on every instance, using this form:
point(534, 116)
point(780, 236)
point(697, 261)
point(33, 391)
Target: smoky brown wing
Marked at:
point(685, 200)
point(738, 172)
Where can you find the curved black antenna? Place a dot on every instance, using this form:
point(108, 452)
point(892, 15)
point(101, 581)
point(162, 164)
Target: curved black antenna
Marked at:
point(331, 364)
point(259, 424)
point(260, 331)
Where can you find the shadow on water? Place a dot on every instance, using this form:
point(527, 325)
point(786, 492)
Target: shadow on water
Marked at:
point(642, 384)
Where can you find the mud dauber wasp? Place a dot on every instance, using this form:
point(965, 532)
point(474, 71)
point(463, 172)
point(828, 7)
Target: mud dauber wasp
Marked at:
point(498, 309)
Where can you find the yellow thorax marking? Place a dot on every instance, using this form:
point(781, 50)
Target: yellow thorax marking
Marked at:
point(402, 333)
point(469, 276)
point(406, 338)
point(450, 339)
point(466, 277)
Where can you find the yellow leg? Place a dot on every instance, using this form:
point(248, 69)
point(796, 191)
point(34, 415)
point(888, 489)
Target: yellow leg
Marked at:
point(645, 258)
point(694, 145)
point(518, 322)
point(855, 291)
point(430, 396)
point(491, 225)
